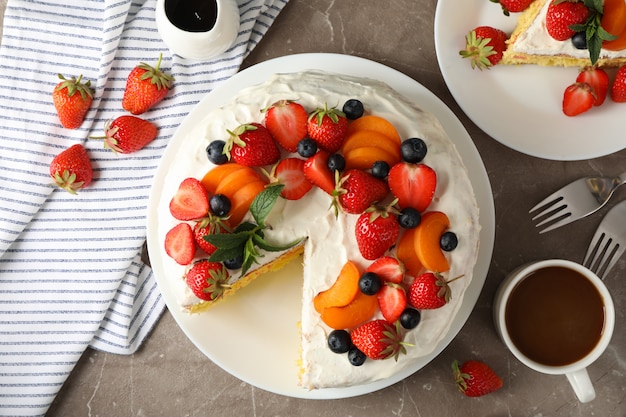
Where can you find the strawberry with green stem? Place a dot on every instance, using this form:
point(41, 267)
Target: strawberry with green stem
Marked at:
point(71, 169)
point(251, 145)
point(378, 339)
point(475, 378)
point(72, 99)
point(327, 127)
point(145, 87)
point(127, 134)
point(484, 47)
point(207, 280)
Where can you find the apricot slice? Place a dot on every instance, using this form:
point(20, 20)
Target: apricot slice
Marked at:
point(614, 22)
point(236, 180)
point(241, 201)
point(405, 252)
point(343, 290)
point(212, 178)
point(427, 241)
point(361, 309)
point(363, 158)
point(376, 124)
point(367, 138)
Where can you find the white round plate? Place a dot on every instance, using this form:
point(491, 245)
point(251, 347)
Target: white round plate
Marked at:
point(253, 336)
point(520, 106)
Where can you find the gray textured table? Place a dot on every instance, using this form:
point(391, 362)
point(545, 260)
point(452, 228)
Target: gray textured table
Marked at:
point(170, 377)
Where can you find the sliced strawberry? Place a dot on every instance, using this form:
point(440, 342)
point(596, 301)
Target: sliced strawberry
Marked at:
point(286, 121)
point(413, 185)
point(388, 268)
point(317, 172)
point(290, 173)
point(180, 244)
point(391, 301)
point(598, 79)
point(577, 99)
point(191, 200)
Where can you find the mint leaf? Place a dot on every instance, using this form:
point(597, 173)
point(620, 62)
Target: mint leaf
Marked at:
point(264, 202)
point(263, 244)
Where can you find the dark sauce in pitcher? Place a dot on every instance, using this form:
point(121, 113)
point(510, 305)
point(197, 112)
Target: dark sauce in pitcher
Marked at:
point(192, 15)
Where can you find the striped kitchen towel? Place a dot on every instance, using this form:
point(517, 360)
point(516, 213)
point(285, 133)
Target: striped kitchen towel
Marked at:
point(71, 273)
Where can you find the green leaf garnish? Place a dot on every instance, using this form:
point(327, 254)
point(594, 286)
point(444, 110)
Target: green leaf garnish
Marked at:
point(594, 32)
point(248, 237)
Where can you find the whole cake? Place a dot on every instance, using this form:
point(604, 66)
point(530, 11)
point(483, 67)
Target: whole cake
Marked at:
point(329, 223)
point(530, 42)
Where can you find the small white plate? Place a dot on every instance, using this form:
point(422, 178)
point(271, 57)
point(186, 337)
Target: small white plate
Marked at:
point(521, 106)
point(254, 337)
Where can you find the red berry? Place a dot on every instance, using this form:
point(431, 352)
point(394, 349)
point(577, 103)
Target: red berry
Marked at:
point(598, 79)
point(413, 185)
point(578, 98)
point(378, 339)
point(475, 378)
point(207, 280)
point(72, 99)
point(484, 46)
point(317, 172)
point(561, 15)
point(286, 121)
point(429, 291)
point(388, 268)
point(514, 6)
point(290, 173)
point(191, 201)
point(180, 244)
point(145, 87)
point(376, 232)
point(618, 89)
point(327, 127)
point(391, 301)
point(208, 226)
point(71, 169)
point(358, 190)
point(252, 145)
point(128, 134)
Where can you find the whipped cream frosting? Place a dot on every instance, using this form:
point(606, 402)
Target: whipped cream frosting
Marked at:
point(330, 240)
point(536, 41)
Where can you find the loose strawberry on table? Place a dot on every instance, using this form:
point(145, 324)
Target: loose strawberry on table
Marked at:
point(475, 378)
point(127, 134)
point(72, 99)
point(71, 169)
point(146, 86)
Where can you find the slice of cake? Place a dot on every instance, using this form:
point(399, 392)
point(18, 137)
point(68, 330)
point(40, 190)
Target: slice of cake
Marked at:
point(530, 43)
point(328, 238)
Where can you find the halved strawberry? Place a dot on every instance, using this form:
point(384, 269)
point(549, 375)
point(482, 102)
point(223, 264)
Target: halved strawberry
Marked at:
point(391, 301)
point(180, 244)
point(412, 184)
point(598, 79)
point(290, 173)
point(286, 121)
point(317, 172)
point(191, 200)
point(578, 98)
point(388, 268)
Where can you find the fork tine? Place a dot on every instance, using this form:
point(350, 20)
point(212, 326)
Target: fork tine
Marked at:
point(593, 250)
point(561, 222)
point(547, 202)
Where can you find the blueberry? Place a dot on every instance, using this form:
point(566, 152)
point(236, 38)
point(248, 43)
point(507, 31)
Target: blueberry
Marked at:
point(307, 148)
point(370, 283)
point(234, 263)
point(336, 162)
point(579, 40)
point(215, 152)
point(356, 357)
point(353, 109)
point(220, 205)
point(339, 341)
point(448, 241)
point(410, 318)
point(413, 150)
point(380, 169)
point(409, 218)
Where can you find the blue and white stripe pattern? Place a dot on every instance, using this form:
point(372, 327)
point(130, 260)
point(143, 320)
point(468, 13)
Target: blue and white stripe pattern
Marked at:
point(71, 274)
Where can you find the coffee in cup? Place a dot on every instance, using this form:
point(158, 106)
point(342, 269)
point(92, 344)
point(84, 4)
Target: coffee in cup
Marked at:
point(556, 317)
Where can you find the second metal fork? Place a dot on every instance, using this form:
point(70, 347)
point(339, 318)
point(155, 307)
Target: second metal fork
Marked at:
point(575, 201)
point(608, 243)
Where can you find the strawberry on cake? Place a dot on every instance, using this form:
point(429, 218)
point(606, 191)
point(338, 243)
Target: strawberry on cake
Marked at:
point(360, 181)
point(570, 34)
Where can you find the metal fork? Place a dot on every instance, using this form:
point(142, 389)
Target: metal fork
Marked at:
point(609, 242)
point(575, 201)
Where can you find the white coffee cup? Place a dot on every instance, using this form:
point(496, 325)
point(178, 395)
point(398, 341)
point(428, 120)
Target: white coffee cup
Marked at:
point(197, 44)
point(514, 319)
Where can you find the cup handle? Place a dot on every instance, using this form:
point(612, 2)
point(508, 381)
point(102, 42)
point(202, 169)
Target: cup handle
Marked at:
point(581, 383)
